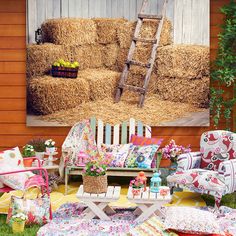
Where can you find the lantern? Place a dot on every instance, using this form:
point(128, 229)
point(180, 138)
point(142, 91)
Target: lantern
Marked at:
point(155, 183)
point(38, 36)
point(141, 176)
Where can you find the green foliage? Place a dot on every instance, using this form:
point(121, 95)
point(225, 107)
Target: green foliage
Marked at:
point(28, 151)
point(223, 73)
point(95, 169)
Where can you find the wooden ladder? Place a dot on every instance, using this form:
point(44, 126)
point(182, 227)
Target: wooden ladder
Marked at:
point(155, 42)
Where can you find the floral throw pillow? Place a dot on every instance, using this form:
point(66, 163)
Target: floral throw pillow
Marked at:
point(12, 157)
point(191, 220)
point(141, 156)
point(117, 152)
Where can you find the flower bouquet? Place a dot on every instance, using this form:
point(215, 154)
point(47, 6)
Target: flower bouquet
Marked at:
point(18, 222)
point(171, 151)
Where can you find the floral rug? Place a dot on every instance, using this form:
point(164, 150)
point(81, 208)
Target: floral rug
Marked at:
point(68, 220)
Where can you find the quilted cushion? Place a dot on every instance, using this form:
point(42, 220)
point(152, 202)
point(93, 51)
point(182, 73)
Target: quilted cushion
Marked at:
point(199, 179)
point(12, 157)
point(117, 152)
point(142, 141)
point(217, 146)
point(191, 220)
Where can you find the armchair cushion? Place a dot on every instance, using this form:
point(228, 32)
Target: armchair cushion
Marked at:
point(200, 179)
point(189, 160)
point(217, 146)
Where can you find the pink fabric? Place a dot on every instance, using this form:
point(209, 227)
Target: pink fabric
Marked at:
point(34, 181)
point(143, 141)
point(217, 146)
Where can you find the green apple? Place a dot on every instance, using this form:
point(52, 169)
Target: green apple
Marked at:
point(56, 64)
point(67, 64)
point(76, 63)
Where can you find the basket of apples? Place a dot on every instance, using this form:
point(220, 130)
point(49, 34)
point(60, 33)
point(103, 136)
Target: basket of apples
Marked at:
point(65, 69)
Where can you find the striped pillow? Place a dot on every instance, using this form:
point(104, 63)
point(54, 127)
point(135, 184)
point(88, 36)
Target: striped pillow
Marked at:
point(143, 141)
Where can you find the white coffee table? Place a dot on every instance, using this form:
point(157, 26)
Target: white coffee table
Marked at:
point(98, 203)
point(148, 203)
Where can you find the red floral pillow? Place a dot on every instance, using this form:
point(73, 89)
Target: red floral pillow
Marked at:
point(217, 146)
point(143, 141)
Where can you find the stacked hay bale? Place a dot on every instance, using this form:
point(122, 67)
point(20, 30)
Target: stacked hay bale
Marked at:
point(41, 57)
point(183, 74)
point(47, 94)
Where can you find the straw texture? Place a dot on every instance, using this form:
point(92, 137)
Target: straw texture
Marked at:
point(48, 94)
point(94, 184)
point(69, 31)
point(41, 57)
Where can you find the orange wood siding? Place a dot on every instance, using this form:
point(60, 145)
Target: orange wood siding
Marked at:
point(13, 130)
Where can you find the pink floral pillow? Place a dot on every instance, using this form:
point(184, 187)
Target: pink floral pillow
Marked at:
point(143, 141)
point(117, 152)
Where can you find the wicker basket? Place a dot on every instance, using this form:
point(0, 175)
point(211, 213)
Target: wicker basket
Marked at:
point(65, 72)
point(94, 184)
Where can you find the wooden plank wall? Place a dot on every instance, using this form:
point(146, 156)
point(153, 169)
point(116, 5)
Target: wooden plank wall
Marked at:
point(189, 17)
point(13, 130)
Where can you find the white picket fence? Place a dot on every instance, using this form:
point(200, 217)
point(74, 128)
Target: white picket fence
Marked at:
point(190, 18)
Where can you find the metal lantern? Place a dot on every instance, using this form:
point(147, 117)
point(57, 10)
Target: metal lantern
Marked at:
point(155, 183)
point(38, 36)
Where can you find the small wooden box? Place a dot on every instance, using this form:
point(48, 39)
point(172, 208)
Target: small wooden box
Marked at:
point(65, 72)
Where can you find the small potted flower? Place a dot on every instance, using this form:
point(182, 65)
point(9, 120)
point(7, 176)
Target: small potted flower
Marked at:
point(137, 186)
point(50, 146)
point(28, 151)
point(18, 222)
point(39, 147)
point(171, 152)
point(94, 175)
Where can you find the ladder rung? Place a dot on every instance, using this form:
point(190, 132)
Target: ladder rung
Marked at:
point(147, 16)
point(134, 88)
point(137, 63)
point(144, 40)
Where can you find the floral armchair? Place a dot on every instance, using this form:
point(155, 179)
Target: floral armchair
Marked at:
point(212, 170)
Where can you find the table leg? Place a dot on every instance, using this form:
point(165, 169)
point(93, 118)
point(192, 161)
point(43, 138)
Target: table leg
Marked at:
point(96, 210)
point(147, 211)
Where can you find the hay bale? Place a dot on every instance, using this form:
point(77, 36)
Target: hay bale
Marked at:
point(88, 56)
point(109, 56)
point(102, 82)
point(183, 61)
point(107, 29)
point(47, 94)
point(125, 32)
point(193, 91)
point(41, 57)
point(121, 58)
point(69, 31)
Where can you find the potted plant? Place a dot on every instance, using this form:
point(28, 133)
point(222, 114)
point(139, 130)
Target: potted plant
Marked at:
point(171, 152)
point(137, 186)
point(39, 147)
point(94, 175)
point(28, 151)
point(18, 222)
point(50, 146)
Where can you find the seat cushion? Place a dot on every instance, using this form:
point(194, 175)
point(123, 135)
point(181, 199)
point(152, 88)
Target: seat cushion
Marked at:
point(199, 179)
point(217, 146)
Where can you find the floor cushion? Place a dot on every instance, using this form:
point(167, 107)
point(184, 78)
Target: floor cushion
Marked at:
point(200, 179)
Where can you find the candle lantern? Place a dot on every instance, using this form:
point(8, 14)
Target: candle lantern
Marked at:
point(38, 36)
point(155, 183)
point(141, 176)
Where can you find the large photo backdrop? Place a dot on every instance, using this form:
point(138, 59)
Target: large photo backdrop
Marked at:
point(95, 37)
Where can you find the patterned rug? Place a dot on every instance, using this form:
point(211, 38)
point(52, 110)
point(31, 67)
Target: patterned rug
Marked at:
point(58, 198)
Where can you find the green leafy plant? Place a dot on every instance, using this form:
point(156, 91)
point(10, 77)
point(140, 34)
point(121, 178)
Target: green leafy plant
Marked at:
point(50, 143)
point(28, 151)
point(38, 144)
point(224, 69)
point(20, 217)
